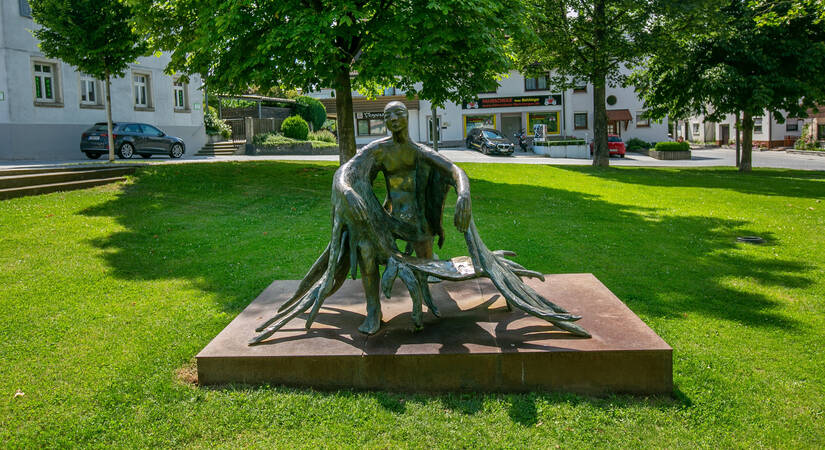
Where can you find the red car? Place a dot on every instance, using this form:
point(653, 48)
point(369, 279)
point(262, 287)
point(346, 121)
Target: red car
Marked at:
point(615, 144)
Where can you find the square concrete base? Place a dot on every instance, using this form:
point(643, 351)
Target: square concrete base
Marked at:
point(477, 345)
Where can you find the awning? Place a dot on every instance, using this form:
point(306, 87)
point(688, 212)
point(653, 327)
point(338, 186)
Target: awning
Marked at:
point(619, 115)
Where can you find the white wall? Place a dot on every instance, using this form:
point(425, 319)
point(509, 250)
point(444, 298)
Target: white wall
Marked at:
point(53, 132)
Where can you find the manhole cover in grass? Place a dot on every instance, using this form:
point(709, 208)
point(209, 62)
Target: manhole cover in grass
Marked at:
point(750, 239)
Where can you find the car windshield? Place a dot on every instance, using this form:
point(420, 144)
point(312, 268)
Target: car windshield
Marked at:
point(491, 134)
point(614, 139)
point(100, 127)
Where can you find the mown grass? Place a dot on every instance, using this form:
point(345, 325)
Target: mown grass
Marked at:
point(107, 294)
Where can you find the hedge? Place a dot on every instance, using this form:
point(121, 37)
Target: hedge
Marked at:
point(555, 143)
point(312, 110)
point(672, 147)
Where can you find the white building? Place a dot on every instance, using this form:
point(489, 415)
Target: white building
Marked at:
point(767, 131)
point(45, 104)
point(518, 103)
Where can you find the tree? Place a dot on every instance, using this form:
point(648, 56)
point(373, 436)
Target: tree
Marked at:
point(739, 66)
point(581, 41)
point(312, 110)
point(92, 35)
point(310, 43)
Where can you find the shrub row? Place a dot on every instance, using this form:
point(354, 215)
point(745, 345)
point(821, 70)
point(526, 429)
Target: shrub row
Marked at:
point(672, 147)
point(555, 143)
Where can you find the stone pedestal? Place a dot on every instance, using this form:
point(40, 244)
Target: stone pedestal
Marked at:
point(477, 345)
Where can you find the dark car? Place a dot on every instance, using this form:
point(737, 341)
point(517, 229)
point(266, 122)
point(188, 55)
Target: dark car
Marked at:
point(614, 144)
point(130, 139)
point(489, 140)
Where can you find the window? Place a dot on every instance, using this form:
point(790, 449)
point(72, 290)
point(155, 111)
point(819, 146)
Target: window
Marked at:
point(611, 100)
point(179, 91)
point(550, 119)
point(142, 90)
point(580, 121)
point(535, 84)
point(46, 90)
point(25, 9)
point(580, 89)
point(792, 125)
point(89, 90)
point(392, 91)
point(470, 122)
point(695, 128)
point(820, 131)
point(151, 131)
point(641, 120)
point(371, 127)
point(757, 124)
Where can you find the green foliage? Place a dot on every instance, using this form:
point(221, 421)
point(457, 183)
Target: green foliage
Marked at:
point(452, 46)
point(806, 140)
point(237, 103)
point(323, 136)
point(637, 144)
point(672, 147)
point(311, 110)
point(272, 140)
point(93, 35)
point(214, 125)
point(330, 125)
point(295, 127)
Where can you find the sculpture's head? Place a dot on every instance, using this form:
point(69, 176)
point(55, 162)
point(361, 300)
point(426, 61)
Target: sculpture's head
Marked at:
point(395, 116)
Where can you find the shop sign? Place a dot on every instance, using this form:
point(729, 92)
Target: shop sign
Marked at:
point(370, 115)
point(513, 102)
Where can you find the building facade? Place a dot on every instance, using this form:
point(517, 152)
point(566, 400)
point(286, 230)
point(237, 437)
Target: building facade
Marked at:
point(518, 103)
point(46, 104)
point(767, 131)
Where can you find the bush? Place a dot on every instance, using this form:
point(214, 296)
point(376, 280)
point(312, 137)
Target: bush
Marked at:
point(806, 141)
point(214, 125)
point(672, 147)
point(271, 140)
point(295, 127)
point(323, 136)
point(637, 144)
point(330, 125)
point(312, 110)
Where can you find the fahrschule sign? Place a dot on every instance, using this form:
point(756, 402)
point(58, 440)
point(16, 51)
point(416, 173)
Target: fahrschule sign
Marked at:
point(513, 102)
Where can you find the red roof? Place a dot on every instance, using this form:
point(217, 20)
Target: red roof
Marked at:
point(619, 114)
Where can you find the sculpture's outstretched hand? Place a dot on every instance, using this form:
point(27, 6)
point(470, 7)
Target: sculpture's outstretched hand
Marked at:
point(463, 212)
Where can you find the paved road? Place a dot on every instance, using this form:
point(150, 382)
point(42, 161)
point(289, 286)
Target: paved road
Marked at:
point(701, 158)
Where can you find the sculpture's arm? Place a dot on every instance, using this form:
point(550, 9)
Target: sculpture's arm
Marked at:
point(463, 207)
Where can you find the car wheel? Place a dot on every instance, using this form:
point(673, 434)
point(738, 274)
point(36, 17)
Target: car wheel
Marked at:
point(146, 155)
point(126, 151)
point(92, 155)
point(176, 151)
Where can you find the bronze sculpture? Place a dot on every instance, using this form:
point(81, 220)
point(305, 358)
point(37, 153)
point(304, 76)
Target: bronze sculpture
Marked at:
point(364, 234)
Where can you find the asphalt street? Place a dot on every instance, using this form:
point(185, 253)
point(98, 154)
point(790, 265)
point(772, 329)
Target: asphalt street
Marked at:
point(701, 158)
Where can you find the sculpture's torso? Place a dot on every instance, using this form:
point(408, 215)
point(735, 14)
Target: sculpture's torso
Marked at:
point(399, 164)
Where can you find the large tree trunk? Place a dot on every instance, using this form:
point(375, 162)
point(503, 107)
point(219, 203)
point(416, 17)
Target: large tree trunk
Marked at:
point(435, 127)
point(109, 117)
point(747, 142)
point(736, 127)
point(343, 110)
point(601, 154)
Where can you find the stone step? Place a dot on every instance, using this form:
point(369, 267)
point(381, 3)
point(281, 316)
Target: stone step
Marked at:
point(215, 153)
point(54, 187)
point(9, 179)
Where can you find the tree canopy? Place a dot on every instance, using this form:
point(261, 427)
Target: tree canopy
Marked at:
point(739, 66)
point(345, 44)
point(93, 35)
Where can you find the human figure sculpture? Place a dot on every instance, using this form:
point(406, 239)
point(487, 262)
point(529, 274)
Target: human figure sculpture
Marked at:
point(364, 234)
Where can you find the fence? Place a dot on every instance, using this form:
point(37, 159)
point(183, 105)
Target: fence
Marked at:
point(259, 126)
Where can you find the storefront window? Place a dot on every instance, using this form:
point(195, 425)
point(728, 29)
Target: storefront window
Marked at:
point(471, 122)
point(820, 131)
point(370, 124)
point(550, 118)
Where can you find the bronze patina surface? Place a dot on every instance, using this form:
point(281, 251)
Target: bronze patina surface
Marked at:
point(365, 230)
point(476, 345)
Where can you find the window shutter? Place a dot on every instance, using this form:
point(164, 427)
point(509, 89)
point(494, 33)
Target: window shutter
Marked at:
point(25, 9)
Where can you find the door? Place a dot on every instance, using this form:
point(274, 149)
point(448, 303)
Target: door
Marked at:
point(136, 134)
point(430, 128)
point(724, 134)
point(154, 139)
point(511, 125)
point(613, 127)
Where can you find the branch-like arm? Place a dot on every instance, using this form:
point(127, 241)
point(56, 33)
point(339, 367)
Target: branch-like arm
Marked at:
point(463, 206)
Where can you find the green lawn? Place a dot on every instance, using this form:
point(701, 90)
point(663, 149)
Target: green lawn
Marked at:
point(107, 294)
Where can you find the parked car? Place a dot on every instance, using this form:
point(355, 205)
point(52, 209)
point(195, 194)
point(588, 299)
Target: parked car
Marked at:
point(489, 140)
point(614, 144)
point(130, 139)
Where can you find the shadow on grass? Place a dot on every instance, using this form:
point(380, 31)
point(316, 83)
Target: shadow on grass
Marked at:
point(231, 229)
